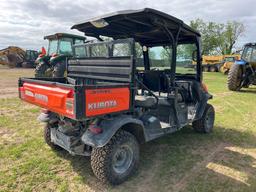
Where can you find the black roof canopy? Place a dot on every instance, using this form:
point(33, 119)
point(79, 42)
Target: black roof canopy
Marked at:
point(147, 26)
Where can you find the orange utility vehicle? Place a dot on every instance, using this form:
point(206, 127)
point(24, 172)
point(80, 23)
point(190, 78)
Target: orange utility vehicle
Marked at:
point(106, 106)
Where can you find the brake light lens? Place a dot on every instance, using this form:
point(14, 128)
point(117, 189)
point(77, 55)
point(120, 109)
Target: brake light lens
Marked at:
point(94, 129)
point(45, 111)
point(70, 105)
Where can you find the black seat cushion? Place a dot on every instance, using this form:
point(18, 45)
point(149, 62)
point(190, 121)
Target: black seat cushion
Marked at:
point(145, 101)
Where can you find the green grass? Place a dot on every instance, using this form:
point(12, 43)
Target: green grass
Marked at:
point(185, 161)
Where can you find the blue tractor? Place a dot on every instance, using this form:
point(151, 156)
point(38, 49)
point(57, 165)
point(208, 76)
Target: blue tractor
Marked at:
point(243, 73)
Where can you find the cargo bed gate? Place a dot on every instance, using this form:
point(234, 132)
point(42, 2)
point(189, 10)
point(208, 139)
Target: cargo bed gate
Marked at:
point(95, 86)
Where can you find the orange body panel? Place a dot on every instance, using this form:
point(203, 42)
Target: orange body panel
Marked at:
point(104, 101)
point(50, 97)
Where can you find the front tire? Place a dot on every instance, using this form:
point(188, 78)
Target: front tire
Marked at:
point(59, 70)
point(213, 69)
point(206, 123)
point(41, 69)
point(205, 68)
point(235, 78)
point(116, 161)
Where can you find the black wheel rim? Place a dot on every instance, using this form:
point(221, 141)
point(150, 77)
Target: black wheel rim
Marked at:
point(122, 159)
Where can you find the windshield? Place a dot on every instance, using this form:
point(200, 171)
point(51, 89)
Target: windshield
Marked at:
point(230, 59)
point(31, 55)
point(185, 58)
point(53, 46)
point(78, 41)
point(160, 58)
point(104, 49)
point(65, 46)
point(249, 54)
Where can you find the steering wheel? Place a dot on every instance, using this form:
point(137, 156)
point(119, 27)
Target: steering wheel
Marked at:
point(154, 69)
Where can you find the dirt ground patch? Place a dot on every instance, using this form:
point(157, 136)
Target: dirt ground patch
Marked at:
point(9, 80)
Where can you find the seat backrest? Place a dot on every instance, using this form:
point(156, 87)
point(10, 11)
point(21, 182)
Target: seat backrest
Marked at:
point(151, 79)
point(114, 69)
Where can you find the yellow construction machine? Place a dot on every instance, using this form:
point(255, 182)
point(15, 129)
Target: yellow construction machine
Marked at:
point(216, 63)
point(229, 60)
point(16, 57)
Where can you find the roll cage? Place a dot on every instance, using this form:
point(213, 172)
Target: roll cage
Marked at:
point(149, 28)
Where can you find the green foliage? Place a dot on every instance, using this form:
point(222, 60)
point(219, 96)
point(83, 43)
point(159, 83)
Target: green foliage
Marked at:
point(233, 30)
point(166, 54)
point(138, 50)
point(218, 37)
point(185, 51)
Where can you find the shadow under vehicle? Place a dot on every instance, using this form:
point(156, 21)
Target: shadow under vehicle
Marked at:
point(53, 63)
point(243, 72)
point(107, 105)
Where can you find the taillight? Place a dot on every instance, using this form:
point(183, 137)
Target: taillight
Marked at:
point(45, 111)
point(70, 105)
point(204, 87)
point(95, 129)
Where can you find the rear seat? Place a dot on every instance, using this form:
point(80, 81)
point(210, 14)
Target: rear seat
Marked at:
point(145, 101)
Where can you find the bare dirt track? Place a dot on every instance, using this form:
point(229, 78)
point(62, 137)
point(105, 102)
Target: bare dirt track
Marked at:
point(9, 80)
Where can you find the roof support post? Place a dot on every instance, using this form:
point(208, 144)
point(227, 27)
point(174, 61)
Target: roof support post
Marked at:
point(146, 59)
point(199, 60)
point(174, 41)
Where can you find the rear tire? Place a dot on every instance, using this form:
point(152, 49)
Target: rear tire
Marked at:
point(206, 123)
point(47, 138)
point(213, 69)
point(27, 65)
point(205, 69)
point(40, 70)
point(235, 78)
point(117, 160)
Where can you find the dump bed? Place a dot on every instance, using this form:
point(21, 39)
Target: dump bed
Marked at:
point(75, 101)
point(96, 84)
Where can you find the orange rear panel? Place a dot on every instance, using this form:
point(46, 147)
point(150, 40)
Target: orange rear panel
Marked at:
point(50, 97)
point(104, 101)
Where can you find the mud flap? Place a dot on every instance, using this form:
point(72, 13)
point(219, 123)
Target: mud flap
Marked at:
point(202, 104)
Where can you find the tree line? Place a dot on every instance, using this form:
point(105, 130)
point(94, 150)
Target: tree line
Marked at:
point(218, 38)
